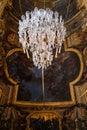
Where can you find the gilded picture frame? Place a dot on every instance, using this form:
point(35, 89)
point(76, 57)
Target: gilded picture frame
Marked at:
point(43, 103)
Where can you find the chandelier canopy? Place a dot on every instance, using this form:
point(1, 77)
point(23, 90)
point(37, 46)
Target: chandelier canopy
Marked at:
point(40, 32)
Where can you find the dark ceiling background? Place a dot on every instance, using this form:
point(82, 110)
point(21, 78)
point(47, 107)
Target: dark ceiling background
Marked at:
point(12, 14)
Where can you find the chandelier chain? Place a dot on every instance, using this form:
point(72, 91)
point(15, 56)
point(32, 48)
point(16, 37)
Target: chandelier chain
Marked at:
point(44, 4)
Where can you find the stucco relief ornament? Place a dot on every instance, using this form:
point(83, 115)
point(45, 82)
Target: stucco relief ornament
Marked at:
point(13, 39)
point(2, 27)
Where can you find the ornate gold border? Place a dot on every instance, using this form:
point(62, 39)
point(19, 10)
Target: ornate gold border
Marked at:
point(46, 115)
point(84, 2)
point(5, 65)
point(81, 70)
point(54, 104)
point(0, 93)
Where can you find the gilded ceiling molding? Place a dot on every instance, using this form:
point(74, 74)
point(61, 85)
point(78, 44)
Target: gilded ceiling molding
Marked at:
point(48, 3)
point(3, 4)
point(13, 39)
point(84, 3)
point(5, 65)
point(73, 24)
point(2, 27)
point(20, 6)
point(81, 62)
point(0, 93)
point(81, 3)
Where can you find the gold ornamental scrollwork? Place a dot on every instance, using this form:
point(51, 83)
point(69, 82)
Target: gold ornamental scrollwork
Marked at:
point(85, 55)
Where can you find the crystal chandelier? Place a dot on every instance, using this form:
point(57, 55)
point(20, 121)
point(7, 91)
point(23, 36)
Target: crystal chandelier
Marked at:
point(41, 32)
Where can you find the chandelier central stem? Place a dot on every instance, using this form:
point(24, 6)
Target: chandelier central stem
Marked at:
point(44, 4)
point(43, 81)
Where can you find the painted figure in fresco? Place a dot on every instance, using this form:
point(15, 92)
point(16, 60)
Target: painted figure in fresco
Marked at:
point(60, 74)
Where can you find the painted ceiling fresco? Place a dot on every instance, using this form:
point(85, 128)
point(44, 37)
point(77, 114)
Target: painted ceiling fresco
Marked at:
point(22, 70)
point(57, 77)
point(16, 70)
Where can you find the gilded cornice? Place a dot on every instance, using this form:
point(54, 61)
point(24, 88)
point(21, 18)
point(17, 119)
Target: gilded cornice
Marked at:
point(3, 4)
